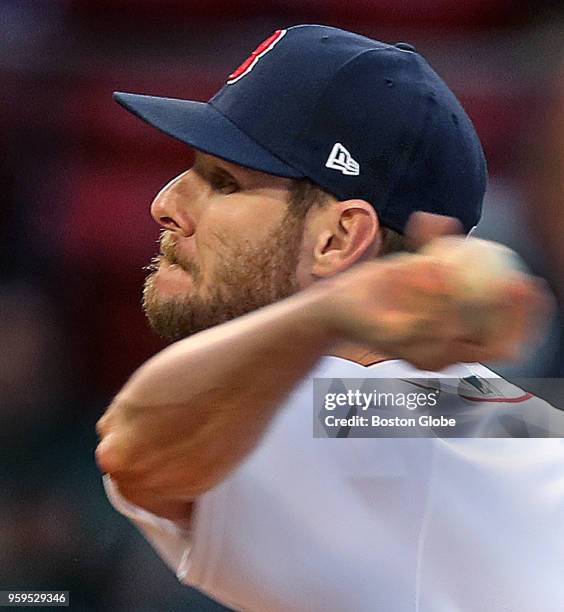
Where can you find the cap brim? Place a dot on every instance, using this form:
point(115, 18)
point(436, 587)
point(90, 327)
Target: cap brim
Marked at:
point(203, 127)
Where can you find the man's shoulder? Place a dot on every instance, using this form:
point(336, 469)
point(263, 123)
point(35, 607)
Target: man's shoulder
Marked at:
point(472, 389)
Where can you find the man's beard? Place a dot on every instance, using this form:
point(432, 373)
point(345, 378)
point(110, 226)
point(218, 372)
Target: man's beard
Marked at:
point(246, 277)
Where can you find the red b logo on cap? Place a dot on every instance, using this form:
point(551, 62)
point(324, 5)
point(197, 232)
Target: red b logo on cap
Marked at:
point(252, 60)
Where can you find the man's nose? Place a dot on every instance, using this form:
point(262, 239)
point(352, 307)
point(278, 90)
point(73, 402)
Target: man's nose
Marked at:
point(170, 208)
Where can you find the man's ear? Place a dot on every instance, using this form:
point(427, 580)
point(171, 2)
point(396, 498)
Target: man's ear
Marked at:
point(346, 232)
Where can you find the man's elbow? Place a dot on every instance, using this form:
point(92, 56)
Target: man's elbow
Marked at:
point(120, 437)
point(108, 456)
point(148, 462)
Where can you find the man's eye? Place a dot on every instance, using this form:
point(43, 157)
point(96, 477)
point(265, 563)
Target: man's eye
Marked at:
point(224, 184)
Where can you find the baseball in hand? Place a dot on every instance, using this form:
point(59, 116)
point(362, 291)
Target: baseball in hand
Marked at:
point(480, 267)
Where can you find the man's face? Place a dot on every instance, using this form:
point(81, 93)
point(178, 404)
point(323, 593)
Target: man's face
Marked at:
point(230, 245)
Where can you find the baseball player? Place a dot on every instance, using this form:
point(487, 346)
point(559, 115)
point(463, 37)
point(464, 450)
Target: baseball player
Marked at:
point(322, 153)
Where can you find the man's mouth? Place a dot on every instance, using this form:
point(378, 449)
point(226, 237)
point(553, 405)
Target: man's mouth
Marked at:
point(162, 260)
point(168, 277)
point(167, 258)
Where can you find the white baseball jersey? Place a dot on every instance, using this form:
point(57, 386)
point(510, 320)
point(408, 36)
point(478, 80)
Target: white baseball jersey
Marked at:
point(364, 525)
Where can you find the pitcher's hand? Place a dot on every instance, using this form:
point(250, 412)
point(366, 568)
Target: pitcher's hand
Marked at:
point(407, 307)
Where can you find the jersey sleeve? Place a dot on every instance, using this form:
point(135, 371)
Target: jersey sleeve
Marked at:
point(189, 548)
point(257, 518)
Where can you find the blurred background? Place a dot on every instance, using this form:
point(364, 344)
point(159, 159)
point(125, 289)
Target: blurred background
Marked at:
point(77, 175)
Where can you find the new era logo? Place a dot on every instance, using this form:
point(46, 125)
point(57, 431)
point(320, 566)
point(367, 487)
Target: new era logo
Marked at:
point(340, 159)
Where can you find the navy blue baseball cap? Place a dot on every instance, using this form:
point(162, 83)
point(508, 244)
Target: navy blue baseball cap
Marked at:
point(359, 118)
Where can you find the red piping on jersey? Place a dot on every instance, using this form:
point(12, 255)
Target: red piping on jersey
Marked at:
point(500, 400)
point(495, 400)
